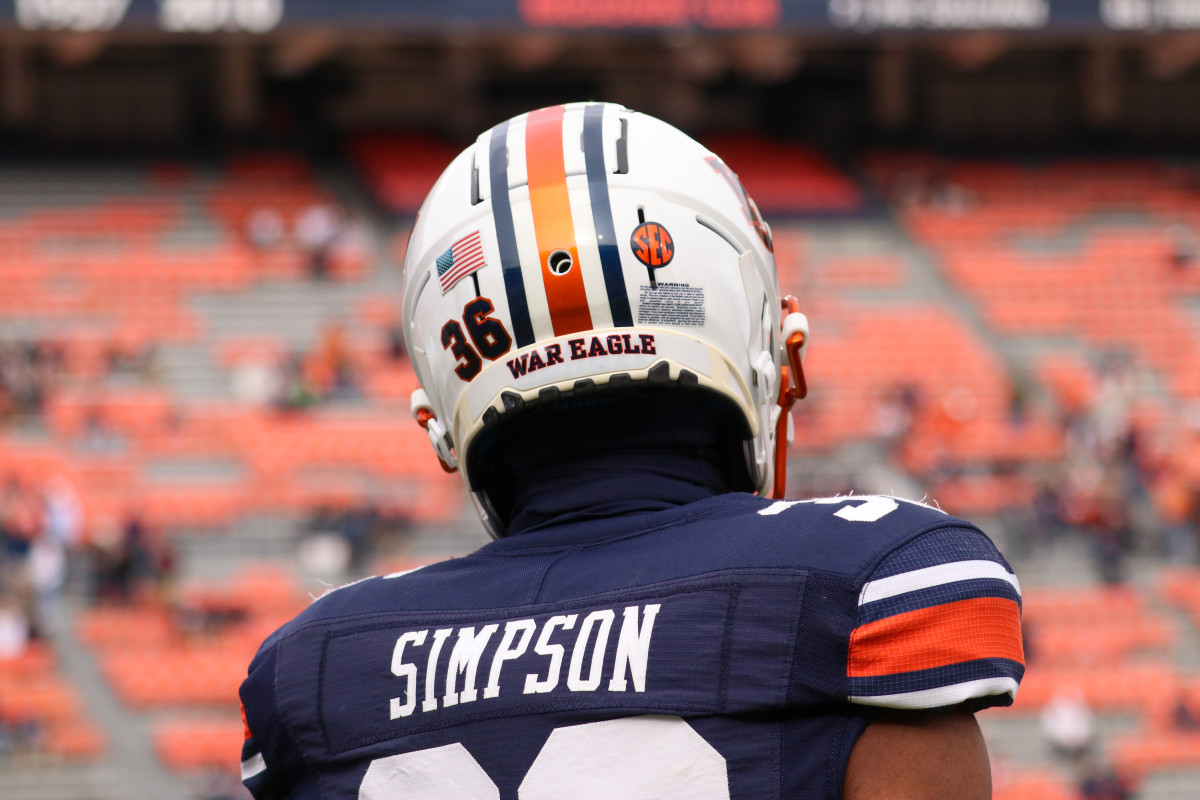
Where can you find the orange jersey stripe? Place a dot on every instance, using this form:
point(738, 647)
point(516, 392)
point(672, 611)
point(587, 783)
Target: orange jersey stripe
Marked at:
point(951, 633)
point(552, 221)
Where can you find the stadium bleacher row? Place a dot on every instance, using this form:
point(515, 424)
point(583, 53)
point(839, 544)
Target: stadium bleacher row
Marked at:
point(1083, 255)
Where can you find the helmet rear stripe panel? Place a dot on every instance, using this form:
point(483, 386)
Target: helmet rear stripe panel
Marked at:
point(606, 237)
point(553, 225)
point(506, 237)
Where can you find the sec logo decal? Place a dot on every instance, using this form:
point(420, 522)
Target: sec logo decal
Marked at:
point(652, 245)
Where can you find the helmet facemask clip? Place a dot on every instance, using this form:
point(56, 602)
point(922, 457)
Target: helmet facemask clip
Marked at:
point(792, 385)
point(439, 437)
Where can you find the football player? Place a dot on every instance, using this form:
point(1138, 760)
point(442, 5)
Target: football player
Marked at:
point(591, 306)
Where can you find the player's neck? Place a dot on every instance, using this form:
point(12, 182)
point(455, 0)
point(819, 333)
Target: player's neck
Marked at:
point(612, 485)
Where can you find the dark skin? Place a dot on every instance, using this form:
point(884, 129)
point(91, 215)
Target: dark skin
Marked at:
point(922, 755)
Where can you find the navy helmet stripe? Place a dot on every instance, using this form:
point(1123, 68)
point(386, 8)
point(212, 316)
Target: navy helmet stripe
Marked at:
point(506, 237)
point(606, 237)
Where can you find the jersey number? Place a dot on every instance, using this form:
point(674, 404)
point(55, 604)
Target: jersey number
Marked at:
point(596, 761)
point(487, 333)
point(874, 509)
point(870, 508)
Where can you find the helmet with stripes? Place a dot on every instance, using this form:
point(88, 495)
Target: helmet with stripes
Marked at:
point(587, 248)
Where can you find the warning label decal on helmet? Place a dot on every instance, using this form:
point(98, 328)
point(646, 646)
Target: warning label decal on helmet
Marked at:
point(671, 304)
point(652, 245)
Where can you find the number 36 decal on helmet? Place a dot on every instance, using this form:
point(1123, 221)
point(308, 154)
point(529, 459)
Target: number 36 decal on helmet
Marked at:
point(586, 248)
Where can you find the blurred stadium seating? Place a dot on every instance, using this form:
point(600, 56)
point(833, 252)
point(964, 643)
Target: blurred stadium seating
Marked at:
point(220, 400)
point(928, 385)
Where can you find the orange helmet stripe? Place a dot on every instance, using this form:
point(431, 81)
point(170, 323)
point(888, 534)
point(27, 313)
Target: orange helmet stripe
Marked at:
point(554, 227)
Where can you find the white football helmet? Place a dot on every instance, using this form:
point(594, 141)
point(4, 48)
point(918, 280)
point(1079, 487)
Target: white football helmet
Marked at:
point(587, 247)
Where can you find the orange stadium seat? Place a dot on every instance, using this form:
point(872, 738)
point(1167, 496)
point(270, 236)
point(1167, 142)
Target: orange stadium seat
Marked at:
point(124, 627)
point(197, 505)
point(1032, 785)
point(874, 272)
point(1086, 605)
point(76, 740)
point(189, 745)
point(1150, 750)
point(1060, 643)
point(237, 350)
point(37, 659)
point(1118, 273)
point(380, 312)
point(1107, 686)
point(185, 674)
point(45, 698)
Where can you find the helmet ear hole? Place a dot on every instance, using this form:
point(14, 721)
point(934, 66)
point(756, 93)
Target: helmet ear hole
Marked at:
point(560, 262)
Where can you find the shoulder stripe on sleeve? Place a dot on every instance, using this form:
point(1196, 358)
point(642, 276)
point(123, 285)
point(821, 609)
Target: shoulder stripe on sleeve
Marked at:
point(939, 623)
point(966, 630)
point(935, 576)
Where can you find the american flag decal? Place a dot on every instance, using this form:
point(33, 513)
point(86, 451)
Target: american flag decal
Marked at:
point(464, 257)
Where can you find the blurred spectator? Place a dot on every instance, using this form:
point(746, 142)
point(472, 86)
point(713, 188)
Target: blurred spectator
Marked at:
point(110, 563)
point(351, 251)
point(1112, 407)
point(1019, 401)
point(97, 436)
point(62, 512)
point(324, 554)
point(14, 627)
point(396, 349)
point(1101, 782)
point(1181, 244)
point(1183, 716)
point(264, 228)
point(334, 539)
point(895, 413)
point(46, 568)
point(1111, 532)
point(317, 228)
point(331, 368)
point(256, 382)
point(950, 197)
point(1067, 723)
point(295, 393)
point(28, 374)
point(124, 558)
point(129, 356)
point(1177, 506)
point(20, 520)
point(1047, 510)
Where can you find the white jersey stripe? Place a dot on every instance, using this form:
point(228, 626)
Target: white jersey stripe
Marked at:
point(934, 576)
point(942, 695)
point(252, 766)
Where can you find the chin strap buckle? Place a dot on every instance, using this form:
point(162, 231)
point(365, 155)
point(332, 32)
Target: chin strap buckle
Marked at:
point(792, 386)
point(439, 437)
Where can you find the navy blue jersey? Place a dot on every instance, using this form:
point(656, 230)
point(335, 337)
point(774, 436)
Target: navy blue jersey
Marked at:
point(733, 648)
